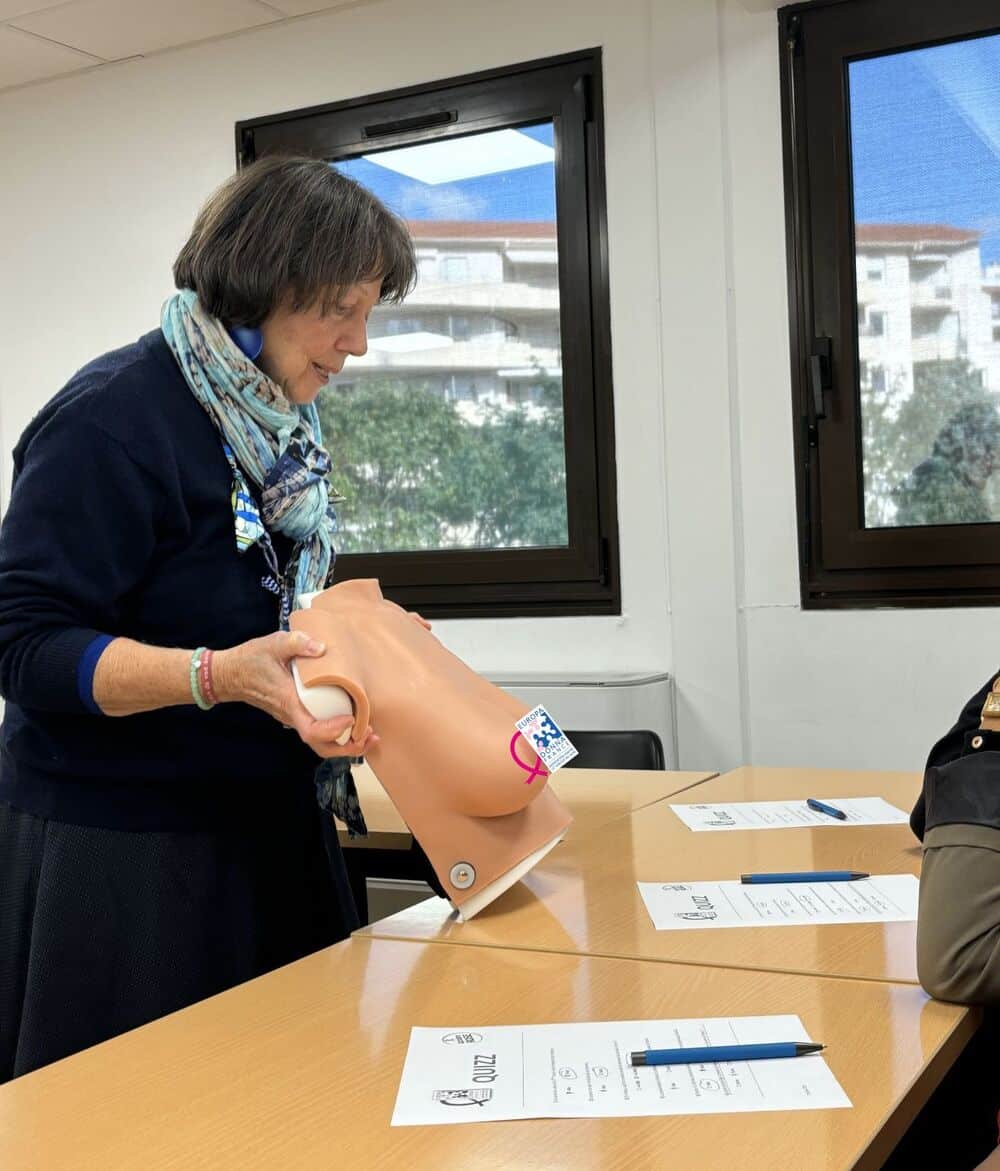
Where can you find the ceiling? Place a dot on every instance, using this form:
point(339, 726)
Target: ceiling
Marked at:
point(41, 39)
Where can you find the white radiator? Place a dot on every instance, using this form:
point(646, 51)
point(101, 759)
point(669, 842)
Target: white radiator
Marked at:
point(602, 702)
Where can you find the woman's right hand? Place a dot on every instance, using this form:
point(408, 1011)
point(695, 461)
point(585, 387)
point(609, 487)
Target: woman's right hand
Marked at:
point(259, 672)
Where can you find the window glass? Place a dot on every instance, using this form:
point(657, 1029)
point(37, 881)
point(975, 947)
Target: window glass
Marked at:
point(925, 145)
point(453, 437)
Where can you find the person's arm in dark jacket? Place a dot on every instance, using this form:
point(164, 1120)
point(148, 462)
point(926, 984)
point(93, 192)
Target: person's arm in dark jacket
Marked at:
point(78, 536)
point(958, 924)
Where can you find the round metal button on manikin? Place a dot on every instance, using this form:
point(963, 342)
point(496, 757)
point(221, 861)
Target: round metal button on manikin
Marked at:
point(462, 875)
point(977, 741)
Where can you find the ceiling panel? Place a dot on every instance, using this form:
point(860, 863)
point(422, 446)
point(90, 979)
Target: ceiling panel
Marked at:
point(125, 28)
point(9, 8)
point(25, 58)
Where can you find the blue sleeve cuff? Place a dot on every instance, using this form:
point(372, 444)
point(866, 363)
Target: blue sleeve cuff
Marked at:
point(85, 672)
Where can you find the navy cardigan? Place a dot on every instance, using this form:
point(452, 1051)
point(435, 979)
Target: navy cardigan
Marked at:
point(121, 524)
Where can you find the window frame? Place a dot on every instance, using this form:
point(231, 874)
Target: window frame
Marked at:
point(582, 577)
point(842, 564)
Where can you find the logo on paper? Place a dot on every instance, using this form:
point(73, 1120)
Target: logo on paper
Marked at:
point(461, 1038)
point(476, 1097)
point(720, 817)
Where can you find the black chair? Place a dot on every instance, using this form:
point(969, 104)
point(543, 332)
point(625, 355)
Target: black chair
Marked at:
point(631, 749)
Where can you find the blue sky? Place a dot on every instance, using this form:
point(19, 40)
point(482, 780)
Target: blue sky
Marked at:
point(925, 128)
point(527, 193)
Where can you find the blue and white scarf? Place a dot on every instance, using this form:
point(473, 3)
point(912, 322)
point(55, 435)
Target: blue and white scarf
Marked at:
point(278, 444)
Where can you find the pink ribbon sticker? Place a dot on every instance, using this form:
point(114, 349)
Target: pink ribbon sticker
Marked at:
point(535, 770)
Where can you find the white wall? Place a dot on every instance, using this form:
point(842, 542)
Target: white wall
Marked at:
point(103, 175)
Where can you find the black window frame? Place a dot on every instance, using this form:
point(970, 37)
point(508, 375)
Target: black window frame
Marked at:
point(843, 564)
point(583, 577)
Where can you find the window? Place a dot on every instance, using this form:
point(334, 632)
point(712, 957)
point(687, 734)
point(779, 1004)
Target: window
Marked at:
point(456, 269)
point(892, 164)
point(878, 380)
point(398, 326)
point(464, 496)
point(870, 268)
point(459, 328)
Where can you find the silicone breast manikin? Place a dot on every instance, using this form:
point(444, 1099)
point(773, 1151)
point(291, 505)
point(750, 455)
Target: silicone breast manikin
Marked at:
point(444, 751)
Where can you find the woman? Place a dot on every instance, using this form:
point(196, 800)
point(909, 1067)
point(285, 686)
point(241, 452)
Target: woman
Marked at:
point(160, 839)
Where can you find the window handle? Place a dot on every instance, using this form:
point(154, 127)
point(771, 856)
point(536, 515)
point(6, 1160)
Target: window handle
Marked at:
point(820, 374)
point(418, 122)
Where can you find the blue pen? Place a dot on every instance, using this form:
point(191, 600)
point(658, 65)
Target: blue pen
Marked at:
point(807, 876)
point(708, 1054)
point(827, 809)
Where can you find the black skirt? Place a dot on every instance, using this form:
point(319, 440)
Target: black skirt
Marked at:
point(103, 930)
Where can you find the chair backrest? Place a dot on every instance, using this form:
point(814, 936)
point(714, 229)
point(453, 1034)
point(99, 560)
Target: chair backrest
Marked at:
point(631, 749)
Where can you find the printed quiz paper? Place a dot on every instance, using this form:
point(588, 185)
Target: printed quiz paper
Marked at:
point(729, 815)
point(494, 1073)
point(883, 898)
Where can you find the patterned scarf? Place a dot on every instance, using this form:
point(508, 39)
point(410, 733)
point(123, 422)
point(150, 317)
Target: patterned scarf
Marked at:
point(278, 444)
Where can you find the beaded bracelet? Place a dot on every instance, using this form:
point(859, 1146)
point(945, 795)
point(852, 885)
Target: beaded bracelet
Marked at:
point(196, 662)
point(205, 678)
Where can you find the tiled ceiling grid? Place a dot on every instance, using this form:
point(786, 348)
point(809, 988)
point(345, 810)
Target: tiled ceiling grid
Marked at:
point(41, 39)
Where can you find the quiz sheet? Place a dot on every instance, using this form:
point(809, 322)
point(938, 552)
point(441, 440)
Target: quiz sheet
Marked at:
point(486, 1073)
point(729, 815)
point(883, 898)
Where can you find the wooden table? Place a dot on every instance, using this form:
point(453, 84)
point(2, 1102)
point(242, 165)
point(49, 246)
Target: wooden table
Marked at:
point(593, 796)
point(299, 1070)
point(583, 897)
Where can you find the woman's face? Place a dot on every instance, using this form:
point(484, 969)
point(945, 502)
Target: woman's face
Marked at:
point(303, 349)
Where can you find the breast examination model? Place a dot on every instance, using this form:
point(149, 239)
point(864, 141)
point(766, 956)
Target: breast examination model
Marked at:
point(471, 790)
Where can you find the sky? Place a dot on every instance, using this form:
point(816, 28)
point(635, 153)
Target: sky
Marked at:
point(521, 193)
point(925, 131)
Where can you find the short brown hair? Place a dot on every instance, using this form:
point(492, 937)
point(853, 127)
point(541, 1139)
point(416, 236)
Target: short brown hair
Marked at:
point(289, 229)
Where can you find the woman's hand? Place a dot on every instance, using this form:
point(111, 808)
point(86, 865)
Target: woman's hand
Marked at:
point(259, 673)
